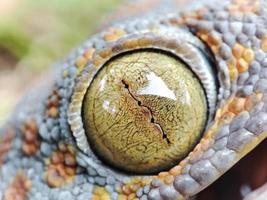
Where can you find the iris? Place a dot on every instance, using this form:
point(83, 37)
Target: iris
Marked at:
point(144, 111)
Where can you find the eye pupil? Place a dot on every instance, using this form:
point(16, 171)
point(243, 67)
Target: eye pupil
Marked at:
point(144, 111)
point(125, 84)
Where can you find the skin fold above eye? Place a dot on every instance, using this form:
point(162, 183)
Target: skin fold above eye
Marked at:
point(144, 111)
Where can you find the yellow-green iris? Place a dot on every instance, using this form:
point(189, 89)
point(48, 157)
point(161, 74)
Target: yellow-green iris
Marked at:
point(144, 111)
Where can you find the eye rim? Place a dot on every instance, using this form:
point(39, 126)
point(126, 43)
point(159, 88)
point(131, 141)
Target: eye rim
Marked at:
point(152, 60)
point(179, 43)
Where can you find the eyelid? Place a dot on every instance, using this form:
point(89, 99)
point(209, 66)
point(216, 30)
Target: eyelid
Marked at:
point(172, 40)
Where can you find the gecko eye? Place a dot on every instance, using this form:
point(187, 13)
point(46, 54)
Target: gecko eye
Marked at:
point(144, 111)
point(143, 102)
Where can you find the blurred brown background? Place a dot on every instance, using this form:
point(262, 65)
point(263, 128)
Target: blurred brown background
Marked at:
point(34, 34)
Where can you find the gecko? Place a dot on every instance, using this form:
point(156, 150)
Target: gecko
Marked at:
point(165, 99)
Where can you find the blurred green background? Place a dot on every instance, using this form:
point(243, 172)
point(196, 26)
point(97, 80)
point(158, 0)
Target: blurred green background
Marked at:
point(34, 34)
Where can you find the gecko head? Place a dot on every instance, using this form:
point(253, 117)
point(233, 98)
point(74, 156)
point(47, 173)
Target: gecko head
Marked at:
point(144, 111)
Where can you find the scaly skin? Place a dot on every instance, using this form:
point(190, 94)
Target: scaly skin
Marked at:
point(40, 158)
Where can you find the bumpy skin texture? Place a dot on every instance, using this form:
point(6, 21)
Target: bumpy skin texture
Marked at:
point(40, 158)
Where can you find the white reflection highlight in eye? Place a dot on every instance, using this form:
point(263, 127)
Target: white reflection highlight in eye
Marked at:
point(156, 86)
point(102, 84)
point(106, 105)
